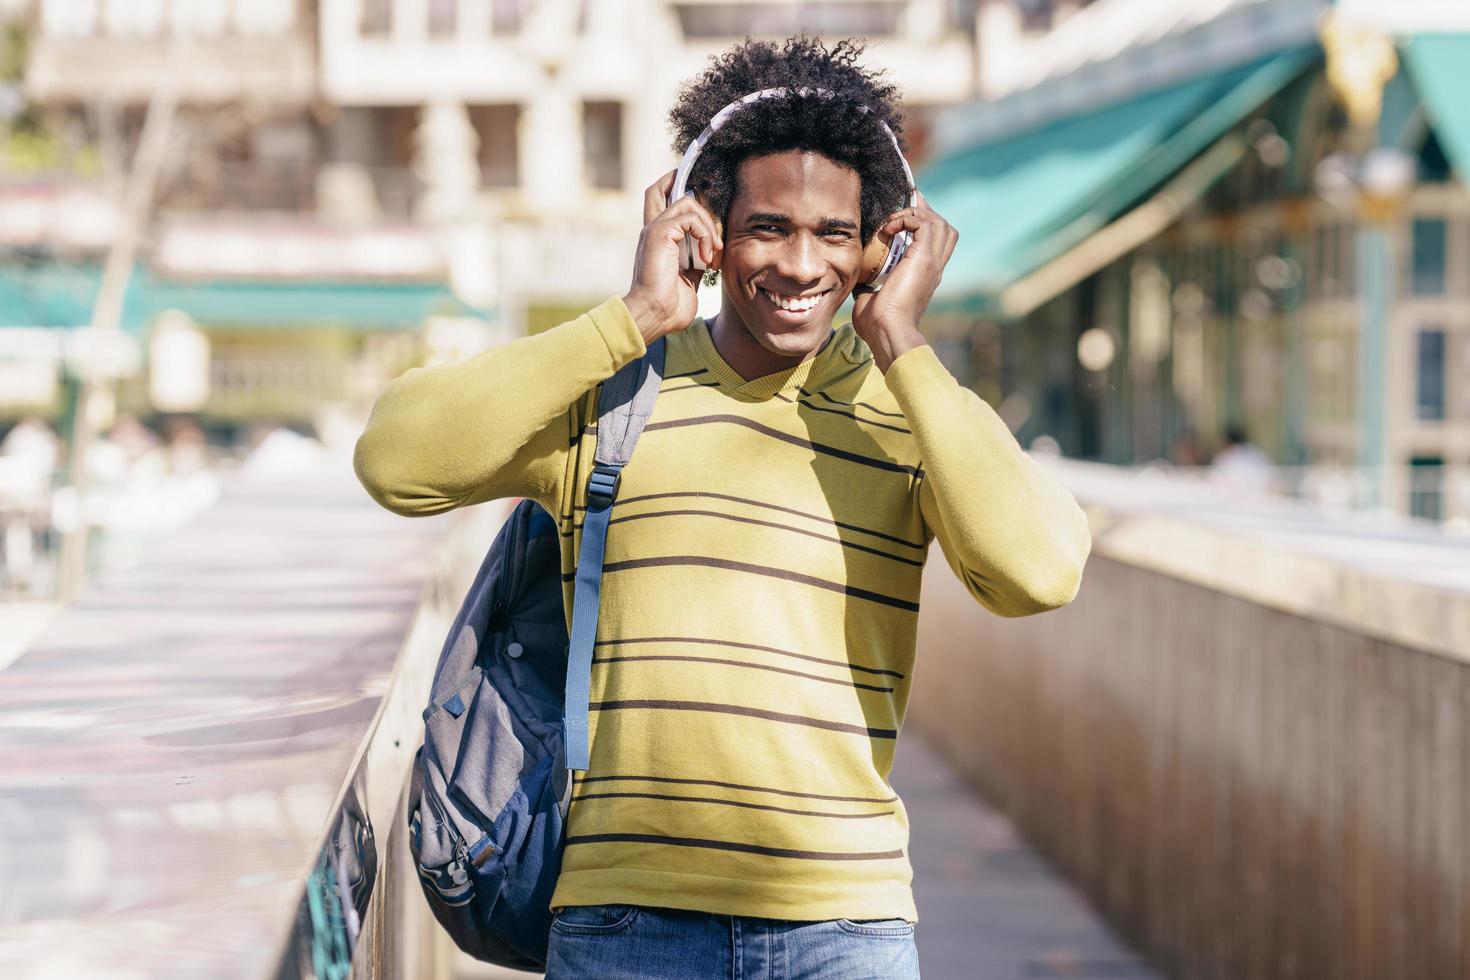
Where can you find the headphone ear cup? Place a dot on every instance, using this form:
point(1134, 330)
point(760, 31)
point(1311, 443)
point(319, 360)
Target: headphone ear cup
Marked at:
point(874, 255)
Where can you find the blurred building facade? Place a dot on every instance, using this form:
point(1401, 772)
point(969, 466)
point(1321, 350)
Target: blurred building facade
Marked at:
point(352, 183)
point(1245, 215)
point(568, 102)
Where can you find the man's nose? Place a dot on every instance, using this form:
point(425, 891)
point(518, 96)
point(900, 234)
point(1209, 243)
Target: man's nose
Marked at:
point(800, 260)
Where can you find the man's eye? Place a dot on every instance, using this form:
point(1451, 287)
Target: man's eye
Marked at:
point(767, 229)
point(837, 234)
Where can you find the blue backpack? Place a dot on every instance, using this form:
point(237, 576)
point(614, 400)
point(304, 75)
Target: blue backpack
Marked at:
point(507, 716)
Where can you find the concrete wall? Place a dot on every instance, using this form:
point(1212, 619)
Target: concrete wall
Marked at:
point(1247, 790)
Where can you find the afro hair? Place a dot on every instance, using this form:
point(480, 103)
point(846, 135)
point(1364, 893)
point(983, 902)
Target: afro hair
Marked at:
point(841, 123)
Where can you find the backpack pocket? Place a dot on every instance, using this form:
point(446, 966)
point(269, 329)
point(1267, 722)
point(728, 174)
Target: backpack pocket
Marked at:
point(491, 760)
point(486, 813)
point(451, 839)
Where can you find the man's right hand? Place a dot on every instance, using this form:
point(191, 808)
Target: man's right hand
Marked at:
point(662, 297)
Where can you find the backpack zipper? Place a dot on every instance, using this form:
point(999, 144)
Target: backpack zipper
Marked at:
point(464, 856)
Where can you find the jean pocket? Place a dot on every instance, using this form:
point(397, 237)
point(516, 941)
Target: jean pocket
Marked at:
point(900, 928)
point(590, 920)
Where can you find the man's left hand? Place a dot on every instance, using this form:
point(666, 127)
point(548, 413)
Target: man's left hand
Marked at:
point(888, 320)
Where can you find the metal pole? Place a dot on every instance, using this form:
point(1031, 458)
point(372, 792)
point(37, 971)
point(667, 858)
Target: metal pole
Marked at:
point(138, 194)
point(1375, 287)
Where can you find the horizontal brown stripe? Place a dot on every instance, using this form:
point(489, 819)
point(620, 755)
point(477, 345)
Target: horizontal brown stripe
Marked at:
point(687, 374)
point(730, 845)
point(741, 786)
point(786, 437)
point(847, 415)
point(744, 663)
point(916, 562)
point(748, 646)
point(704, 561)
point(659, 704)
point(748, 806)
point(758, 503)
point(833, 401)
point(688, 386)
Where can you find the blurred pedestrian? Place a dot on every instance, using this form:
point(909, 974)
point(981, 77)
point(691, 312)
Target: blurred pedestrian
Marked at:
point(31, 450)
point(1241, 466)
point(279, 452)
point(29, 455)
point(185, 446)
point(760, 600)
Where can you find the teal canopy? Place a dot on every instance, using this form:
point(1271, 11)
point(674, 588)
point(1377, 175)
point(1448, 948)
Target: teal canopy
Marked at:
point(58, 294)
point(1440, 67)
point(1021, 201)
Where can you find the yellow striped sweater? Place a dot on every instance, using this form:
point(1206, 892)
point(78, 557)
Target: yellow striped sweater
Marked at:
point(760, 592)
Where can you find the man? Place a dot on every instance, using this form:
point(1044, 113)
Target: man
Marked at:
point(761, 583)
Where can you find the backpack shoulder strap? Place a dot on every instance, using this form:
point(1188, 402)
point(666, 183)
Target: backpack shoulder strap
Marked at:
point(624, 405)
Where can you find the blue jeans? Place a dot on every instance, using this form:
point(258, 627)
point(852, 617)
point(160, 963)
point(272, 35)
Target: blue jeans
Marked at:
point(631, 942)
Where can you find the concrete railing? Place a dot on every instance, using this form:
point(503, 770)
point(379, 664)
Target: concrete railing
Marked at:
point(204, 758)
point(1247, 739)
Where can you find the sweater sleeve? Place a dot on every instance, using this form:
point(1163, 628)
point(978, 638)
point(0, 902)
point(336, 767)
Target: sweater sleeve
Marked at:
point(499, 424)
point(1012, 533)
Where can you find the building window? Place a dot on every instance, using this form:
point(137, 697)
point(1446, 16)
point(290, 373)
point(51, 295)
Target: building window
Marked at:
point(77, 18)
point(498, 127)
point(202, 18)
point(1426, 487)
point(506, 16)
point(442, 17)
point(141, 18)
point(1331, 260)
point(264, 18)
point(377, 17)
point(1036, 15)
point(962, 14)
point(602, 140)
point(1429, 257)
point(1430, 375)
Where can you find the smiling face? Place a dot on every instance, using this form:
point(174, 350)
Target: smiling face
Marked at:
point(793, 253)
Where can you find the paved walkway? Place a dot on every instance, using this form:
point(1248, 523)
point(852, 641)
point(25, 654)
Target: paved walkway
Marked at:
point(21, 621)
point(989, 907)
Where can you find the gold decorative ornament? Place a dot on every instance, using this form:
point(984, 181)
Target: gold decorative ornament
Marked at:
point(1360, 62)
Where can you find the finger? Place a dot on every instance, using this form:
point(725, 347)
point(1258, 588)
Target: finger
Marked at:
point(927, 227)
point(692, 203)
point(951, 240)
point(910, 218)
point(656, 198)
point(919, 207)
point(678, 222)
point(693, 209)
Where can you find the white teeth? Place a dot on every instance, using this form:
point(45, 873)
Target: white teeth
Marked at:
point(794, 304)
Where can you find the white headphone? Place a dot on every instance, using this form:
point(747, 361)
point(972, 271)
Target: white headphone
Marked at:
point(689, 254)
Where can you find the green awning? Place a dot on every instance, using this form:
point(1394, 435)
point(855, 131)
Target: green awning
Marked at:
point(1022, 201)
point(60, 294)
point(1440, 67)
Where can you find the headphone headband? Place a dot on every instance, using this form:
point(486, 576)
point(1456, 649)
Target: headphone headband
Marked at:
point(691, 155)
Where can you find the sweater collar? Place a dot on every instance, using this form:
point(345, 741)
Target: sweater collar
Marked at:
point(767, 385)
